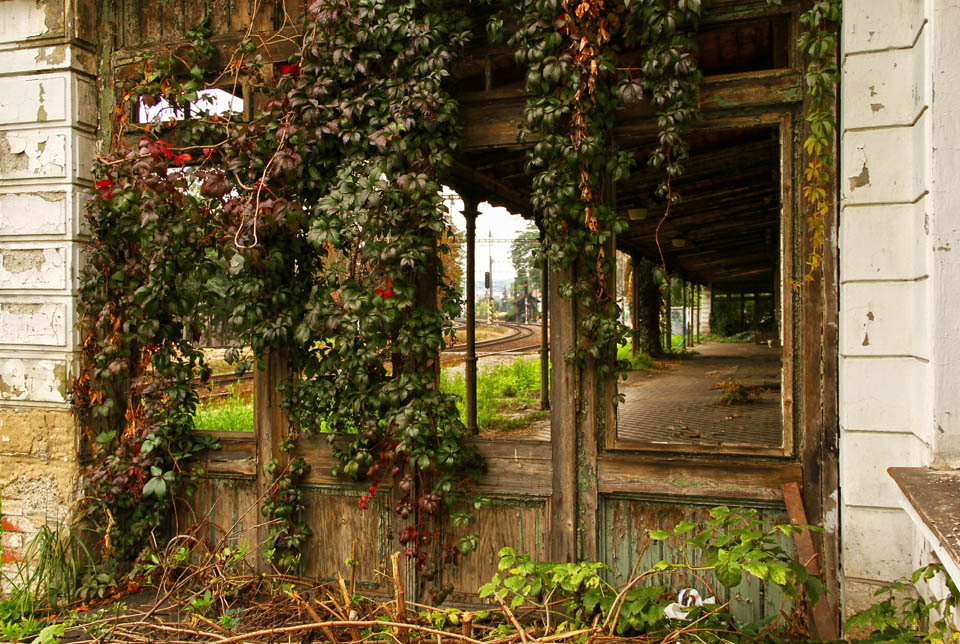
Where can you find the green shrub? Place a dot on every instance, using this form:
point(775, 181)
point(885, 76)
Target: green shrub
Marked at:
point(640, 362)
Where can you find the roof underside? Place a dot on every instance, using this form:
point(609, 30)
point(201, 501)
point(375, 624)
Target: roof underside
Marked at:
point(725, 230)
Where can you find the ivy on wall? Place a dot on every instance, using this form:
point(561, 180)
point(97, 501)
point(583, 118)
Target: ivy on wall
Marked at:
point(314, 229)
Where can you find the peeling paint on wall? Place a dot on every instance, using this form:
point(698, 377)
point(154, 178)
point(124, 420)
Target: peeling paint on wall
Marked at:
point(52, 55)
point(34, 380)
point(32, 100)
point(32, 154)
point(861, 180)
point(33, 268)
point(33, 323)
point(37, 213)
point(23, 19)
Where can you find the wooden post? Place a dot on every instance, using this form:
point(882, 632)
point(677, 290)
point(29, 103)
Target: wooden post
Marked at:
point(581, 412)
point(270, 429)
point(470, 362)
point(563, 420)
point(544, 334)
point(667, 321)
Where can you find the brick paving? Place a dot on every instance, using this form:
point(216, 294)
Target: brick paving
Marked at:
point(678, 405)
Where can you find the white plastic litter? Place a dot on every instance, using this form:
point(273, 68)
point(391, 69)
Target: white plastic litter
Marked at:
point(686, 599)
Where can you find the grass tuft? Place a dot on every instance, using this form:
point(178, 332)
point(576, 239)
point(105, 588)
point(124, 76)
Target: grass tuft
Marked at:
point(231, 414)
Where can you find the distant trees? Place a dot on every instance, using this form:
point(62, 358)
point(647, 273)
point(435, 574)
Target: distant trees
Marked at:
point(524, 252)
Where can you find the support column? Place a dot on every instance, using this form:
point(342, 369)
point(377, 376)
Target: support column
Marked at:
point(683, 314)
point(563, 421)
point(48, 120)
point(667, 319)
point(582, 412)
point(470, 362)
point(544, 333)
point(706, 302)
point(270, 429)
point(699, 303)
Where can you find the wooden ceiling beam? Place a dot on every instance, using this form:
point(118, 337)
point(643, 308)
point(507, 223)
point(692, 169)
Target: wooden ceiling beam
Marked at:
point(494, 123)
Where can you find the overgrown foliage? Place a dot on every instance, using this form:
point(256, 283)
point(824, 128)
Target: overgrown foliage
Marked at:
point(195, 590)
point(314, 231)
point(319, 222)
point(505, 394)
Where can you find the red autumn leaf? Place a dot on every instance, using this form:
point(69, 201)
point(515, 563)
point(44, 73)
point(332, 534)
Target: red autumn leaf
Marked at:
point(291, 69)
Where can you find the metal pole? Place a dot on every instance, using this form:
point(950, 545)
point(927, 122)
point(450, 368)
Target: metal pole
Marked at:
point(699, 304)
point(683, 316)
point(470, 214)
point(490, 290)
point(544, 334)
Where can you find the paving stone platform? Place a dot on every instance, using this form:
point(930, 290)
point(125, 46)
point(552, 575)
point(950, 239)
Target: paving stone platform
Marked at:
point(678, 404)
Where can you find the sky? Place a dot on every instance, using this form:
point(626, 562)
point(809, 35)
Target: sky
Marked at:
point(492, 221)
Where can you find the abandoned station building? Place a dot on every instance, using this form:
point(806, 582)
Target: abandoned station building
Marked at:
point(861, 374)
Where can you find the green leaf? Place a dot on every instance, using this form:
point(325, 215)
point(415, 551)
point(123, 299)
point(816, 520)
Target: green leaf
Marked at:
point(155, 486)
point(756, 568)
point(684, 527)
point(728, 571)
point(659, 535)
point(50, 634)
point(778, 573)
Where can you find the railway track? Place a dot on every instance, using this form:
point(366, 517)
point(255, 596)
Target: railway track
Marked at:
point(522, 338)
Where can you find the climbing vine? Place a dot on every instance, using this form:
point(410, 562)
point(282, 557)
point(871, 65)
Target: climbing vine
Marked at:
point(314, 228)
point(819, 42)
point(575, 87)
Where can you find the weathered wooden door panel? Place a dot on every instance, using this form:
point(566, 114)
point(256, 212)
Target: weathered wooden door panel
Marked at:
point(519, 522)
point(625, 546)
point(343, 532)
point(225, 509)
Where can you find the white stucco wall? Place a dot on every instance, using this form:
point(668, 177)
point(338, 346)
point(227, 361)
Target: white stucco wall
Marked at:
point(899, 297)
point(48, 114)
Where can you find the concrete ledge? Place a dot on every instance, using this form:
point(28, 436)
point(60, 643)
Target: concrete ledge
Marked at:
point(931, 498)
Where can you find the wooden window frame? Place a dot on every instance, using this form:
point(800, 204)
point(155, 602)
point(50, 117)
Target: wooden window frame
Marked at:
point(790, 249)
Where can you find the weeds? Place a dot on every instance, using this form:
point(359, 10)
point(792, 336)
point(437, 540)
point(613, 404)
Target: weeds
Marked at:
point(53, 570)
point(50, 572)
point(505, 394)
point(734, 392)
point(743, 336)
point(209, 594)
